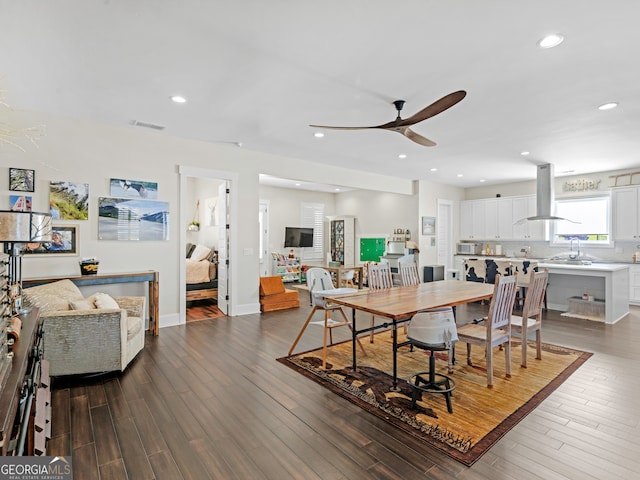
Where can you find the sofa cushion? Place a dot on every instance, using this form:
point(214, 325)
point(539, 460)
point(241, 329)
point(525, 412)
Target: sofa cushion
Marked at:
point(271, 285)
point(86, 304)
point(52, 297)
point(103, 300)
point(134, 325)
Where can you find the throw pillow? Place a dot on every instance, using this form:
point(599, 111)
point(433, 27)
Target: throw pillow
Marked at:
point(104, 301)
point(190, 248)
point(86, 304)
point(52, 297)
point(200, 253)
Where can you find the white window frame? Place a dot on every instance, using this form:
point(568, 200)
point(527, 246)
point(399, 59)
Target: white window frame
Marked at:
point(602, 243)
point(312, 216)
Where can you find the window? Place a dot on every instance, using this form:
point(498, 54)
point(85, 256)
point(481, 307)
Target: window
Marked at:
point(312, 215)
point(593, 219)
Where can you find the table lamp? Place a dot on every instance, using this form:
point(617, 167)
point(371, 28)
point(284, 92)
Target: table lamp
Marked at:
point(16, 228)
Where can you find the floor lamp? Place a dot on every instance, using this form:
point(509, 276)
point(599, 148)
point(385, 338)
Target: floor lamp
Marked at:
point(17, 228)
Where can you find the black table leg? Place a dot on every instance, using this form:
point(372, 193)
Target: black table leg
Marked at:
point(395, 388)
point(354, 334)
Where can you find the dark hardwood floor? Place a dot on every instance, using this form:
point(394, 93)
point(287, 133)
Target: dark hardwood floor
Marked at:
point(208, 401)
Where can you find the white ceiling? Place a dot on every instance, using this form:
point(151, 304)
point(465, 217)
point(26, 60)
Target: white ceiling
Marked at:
point(259, 72)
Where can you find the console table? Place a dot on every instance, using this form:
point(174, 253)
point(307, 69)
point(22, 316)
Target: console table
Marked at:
point(108, 278)
point(25, 396)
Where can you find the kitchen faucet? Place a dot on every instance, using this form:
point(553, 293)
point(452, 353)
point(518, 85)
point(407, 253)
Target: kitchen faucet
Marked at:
point(572, 255)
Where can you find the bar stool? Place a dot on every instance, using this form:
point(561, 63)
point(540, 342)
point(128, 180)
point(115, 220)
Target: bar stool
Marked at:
point(433, 330)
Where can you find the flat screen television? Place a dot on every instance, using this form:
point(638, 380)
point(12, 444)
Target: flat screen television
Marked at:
point(298, 237)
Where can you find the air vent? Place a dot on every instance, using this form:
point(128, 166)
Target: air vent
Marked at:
point(153, 126)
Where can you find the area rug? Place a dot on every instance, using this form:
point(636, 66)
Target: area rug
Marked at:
point(481, 415)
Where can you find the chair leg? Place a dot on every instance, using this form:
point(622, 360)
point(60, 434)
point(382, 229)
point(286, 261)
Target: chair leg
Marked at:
point(327, 316)
point(523, 363)
point(344, 315)
point(373, 322)
point(469, 354)
point(538, 344)
point(507, 358)
point(489, 355)
point(302, 330)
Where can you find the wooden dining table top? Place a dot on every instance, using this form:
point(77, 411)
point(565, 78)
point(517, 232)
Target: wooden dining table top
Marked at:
point(402, 302)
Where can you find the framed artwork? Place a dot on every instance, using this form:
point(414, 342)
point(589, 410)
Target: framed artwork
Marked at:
point(69, 201)
point(131, 219)
point(20, 203)
point(428, 225)
point(120, 187)
point(21, 180)
point(64, 241)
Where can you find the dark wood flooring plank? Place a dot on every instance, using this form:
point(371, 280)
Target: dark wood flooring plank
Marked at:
point(114, 470)
point(150, 435)
point(108, 448)
point(133, 452)
point(164, 467)
point(61, 412)
point(85, 463)
point(81, 427)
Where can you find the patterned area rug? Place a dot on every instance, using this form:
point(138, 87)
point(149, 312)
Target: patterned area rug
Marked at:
point(481, 415)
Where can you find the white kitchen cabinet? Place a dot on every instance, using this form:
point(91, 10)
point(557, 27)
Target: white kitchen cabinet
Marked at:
point(626, 213)
point(473, 220)
point(634, 284)
point(524, 207)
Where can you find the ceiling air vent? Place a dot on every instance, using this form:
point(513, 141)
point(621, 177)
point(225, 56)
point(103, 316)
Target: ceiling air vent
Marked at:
point(153, 126)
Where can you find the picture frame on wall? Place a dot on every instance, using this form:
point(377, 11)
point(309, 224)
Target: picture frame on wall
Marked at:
point(22, 180)
point(428, 225)
point(64, 241)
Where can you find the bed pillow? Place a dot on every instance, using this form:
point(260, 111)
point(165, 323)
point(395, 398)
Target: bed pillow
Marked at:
point(190, 248)
point(104, 301)
point(200, 253)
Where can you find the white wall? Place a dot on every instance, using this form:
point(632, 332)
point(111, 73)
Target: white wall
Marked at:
point(202, 192)
point(79, 151)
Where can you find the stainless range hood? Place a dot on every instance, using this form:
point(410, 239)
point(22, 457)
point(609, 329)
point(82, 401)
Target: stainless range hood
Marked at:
point(545, 194)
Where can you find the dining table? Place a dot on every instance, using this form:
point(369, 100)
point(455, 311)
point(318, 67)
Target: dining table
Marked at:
point(398, 304)
point(339, 270)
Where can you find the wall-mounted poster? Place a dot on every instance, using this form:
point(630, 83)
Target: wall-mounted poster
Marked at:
point(64, 241)
point(133, 188)
point(69, 201)
point(20, 203)
point(22, 180)
point(130, 219)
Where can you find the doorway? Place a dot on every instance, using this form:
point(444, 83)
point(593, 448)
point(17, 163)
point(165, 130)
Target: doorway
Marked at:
point(208, 196)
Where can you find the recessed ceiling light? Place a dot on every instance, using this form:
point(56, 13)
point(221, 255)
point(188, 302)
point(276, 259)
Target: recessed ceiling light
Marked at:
point(608, 106)
point(482, 181)
point(297, 184)
point(460, 175)
point(402, 155)
point(433, 169)
point(178, 99)
point(551, 41)
point(337, 189)
point(525, 153)
point(318, 134)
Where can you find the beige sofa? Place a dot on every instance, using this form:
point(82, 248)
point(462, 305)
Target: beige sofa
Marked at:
point(86, 340)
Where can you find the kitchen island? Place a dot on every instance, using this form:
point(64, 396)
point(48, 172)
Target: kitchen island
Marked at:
point(608, 282)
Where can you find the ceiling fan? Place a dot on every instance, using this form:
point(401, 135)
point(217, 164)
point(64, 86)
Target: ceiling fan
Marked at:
point(402, 126)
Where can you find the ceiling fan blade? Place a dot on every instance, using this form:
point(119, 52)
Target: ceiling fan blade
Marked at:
point(340, 128)
point(411, 135)
point(435, 108)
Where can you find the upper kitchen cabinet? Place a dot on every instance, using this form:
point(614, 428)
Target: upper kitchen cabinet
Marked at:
point(524, 207)
point(626, 213)
point(472, 220)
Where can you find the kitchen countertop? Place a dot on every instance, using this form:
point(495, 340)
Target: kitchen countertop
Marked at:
point(594, 267)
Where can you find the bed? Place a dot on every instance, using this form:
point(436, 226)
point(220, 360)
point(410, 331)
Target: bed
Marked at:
point(202, 273)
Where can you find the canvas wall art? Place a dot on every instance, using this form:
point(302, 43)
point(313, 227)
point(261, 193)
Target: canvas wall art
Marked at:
point(64, 241)
point(131, 219)
point(122, 188)
point(20, 203)
point(69, 200)
point(22, 180)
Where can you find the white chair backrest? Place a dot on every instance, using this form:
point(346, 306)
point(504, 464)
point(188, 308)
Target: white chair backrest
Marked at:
point(318, 279)
point(409, 273)
point(348, 275)
point(380, 276)
point(535, 294)
point(502, 302)
point(436, 327)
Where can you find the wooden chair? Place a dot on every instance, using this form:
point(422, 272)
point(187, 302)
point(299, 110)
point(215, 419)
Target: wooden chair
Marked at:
point(379, 277)
point(497, 328)
point(409, 273)
point(319, 283)
point(531, 319)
